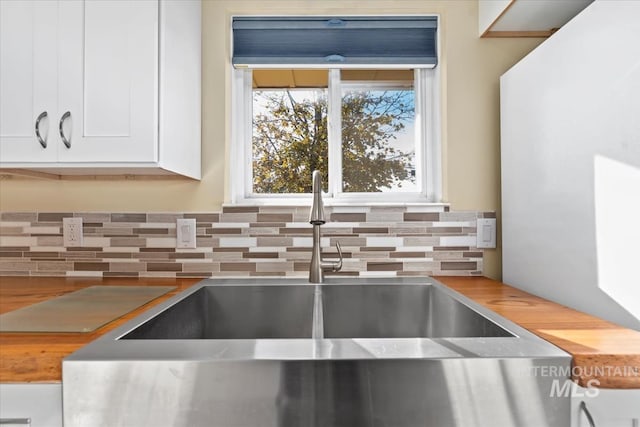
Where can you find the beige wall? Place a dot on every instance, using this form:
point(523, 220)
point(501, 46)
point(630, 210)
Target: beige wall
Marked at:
point(470, 70)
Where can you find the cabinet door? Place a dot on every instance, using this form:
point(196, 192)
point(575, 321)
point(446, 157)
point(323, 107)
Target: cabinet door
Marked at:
point(608, 408)
point(108, 80)
point(41, 404)
point(28, 80)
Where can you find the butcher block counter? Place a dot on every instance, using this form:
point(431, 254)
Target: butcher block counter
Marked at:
point(601, 350)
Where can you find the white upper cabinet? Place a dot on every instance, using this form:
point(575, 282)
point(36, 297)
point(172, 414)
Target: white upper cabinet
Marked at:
point(28, 80)
point(525, 18)
point(108, 79)
point(94, 68)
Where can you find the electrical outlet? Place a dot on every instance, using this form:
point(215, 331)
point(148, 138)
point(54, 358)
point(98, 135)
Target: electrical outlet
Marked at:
point(186, 233)
point(486, 233)
point(72, 231)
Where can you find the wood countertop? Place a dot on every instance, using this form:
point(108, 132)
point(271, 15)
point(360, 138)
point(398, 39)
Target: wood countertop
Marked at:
point(601, 350)
point(37, 357)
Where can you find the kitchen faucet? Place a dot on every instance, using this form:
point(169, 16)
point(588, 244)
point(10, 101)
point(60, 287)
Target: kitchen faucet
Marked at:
point(316, 218)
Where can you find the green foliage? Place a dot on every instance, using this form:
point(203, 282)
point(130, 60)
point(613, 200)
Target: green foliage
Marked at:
point(290, 140)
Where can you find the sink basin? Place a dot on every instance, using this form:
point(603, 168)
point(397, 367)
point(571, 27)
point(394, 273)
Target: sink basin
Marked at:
point(351, 352)
point(234, 312)
point(400, 311)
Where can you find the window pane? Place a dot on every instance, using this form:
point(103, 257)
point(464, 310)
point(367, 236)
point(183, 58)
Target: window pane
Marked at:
point(378, 141)
point(289, 139)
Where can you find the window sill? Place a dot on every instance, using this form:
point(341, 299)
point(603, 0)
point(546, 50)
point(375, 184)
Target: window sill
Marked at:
point(331, 202)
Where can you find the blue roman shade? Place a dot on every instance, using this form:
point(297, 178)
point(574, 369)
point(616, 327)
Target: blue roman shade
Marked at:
point(343, 41)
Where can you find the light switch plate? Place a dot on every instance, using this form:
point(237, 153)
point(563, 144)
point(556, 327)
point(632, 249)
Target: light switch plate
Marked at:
point(486, 233)
point(186, 233)
point(72, 231)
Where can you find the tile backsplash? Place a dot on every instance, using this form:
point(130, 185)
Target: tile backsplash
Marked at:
point(244, 241)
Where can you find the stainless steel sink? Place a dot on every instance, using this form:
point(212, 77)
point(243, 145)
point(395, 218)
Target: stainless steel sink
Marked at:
point(350, 352)
point(349, 311)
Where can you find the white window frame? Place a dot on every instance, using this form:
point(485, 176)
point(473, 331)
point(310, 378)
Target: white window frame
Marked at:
point(428, 146)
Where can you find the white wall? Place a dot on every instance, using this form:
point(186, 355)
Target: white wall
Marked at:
point(570, 141)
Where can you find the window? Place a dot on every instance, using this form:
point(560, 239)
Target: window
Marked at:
point(289, 137)
point(378, 133)
point(371, 131)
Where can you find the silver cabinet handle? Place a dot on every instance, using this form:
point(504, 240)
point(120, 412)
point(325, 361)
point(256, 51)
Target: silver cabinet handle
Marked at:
point(42, 141)
point(15, 421)
point(64, 117)
point(583, 408)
